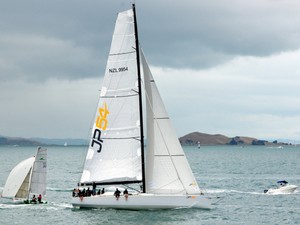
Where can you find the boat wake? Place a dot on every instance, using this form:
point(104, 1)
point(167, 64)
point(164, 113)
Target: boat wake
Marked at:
point(49, 206)
point(59, 189)
point(62, 205)
point(220, 191)
point(10, 205)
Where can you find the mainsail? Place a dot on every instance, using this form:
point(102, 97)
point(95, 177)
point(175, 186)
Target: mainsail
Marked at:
point(114, 154)
point(39, 173)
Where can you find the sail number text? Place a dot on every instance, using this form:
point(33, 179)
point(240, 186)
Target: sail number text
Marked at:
point(101, 124)
point(117, 70)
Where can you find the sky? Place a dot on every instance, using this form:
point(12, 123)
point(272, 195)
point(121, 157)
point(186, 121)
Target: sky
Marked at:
point(223, 67)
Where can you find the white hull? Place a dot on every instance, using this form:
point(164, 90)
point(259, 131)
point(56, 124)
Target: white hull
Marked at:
point(288, 189)
point(16, 200)
point(19, 200)
point(143, 201)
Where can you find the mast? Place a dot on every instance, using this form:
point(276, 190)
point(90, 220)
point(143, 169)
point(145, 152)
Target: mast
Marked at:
point(140, 96)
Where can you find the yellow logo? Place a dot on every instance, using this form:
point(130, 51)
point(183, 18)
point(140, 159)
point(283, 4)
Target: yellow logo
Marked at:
point(101, 121)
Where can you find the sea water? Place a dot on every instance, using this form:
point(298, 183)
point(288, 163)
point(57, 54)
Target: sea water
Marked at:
point(235, 177)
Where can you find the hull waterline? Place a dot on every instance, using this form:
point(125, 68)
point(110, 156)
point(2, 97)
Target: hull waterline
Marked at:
point(143, 202)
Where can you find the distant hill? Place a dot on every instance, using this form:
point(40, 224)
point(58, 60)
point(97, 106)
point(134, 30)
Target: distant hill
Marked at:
point(40, 141)
point(204, 139)
point(218, 139)
point(18, 141)
point(60, 141)
point(189, 139)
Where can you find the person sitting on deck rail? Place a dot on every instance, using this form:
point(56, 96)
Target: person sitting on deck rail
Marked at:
point(117, 194)
point(94, 188)
point(126, 193)
point(88, 192)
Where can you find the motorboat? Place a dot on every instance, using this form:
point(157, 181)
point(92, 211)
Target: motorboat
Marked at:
point(283, 188)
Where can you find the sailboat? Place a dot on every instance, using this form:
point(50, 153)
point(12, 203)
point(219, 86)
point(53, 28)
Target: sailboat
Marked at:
point(199, 145)
point(157, 175)
point(27, 179)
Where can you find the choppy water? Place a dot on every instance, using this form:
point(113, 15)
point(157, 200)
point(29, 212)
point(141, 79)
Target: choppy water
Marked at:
point(236, 175)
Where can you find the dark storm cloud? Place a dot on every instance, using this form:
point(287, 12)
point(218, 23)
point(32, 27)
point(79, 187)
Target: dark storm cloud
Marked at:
point(53, 54)
point(70, 39)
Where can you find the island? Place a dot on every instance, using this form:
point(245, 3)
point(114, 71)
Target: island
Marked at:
point(218, 139)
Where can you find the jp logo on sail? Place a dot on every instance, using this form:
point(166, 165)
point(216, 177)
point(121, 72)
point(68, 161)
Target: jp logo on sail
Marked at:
point(101, 123)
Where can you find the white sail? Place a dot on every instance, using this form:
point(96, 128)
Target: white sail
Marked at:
point(39, 173)
point(17, 183)
point(167, 168)
point(114, 153)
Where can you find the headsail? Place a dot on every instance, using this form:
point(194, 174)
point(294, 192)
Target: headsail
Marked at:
point(167, 168)
point(114, 153)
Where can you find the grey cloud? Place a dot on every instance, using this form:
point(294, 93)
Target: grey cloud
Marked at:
point(200, 54)
point(37, 58)
point(192, 34)
point(227, 28)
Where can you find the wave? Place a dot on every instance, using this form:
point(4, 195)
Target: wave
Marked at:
point(60, 189)
point(11, 206)
point(49, 206)
point(62, 205)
